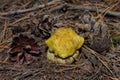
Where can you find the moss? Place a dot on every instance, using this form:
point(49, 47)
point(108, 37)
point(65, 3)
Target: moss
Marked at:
point(116, 40)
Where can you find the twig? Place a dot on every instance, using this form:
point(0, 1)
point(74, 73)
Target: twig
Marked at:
point(52, 9)
point(8, 69)
point(28, 73)
point(112, 78)
point(47, 8)
point(4, 32)
point(95, 54)
point(65, 69)
point(109, 8)
point(28, 10)
point(26, 4)
point(5, 46)
point(23, 18)
point(36, 74)
point(95, 74)
point(5, 42)
point(70, 68)
point(92, 8)
point(6, 59)
point(24, 74)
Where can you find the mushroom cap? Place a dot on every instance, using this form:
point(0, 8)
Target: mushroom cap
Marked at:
point(64, 42)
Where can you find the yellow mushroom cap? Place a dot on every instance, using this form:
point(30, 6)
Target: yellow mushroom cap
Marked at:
point(64, 42)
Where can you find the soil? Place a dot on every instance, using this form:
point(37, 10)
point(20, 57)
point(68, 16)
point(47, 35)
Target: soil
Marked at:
point(91, 64)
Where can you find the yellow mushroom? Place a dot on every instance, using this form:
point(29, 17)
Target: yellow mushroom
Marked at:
point(63, 45)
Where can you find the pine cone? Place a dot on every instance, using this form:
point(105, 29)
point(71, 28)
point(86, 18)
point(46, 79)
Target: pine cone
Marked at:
point(100, 44)
point(24, 48)
point(100, 41)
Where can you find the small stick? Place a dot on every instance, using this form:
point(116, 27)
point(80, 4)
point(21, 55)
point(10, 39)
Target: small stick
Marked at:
point(92, 8)
point(66, 69)
point(51, 10)
point(28, 10)
point(23, 18)
point(95, 54)
point(2, 46)
point(4, 32)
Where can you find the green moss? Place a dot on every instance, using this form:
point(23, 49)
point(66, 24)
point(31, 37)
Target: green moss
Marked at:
point(116, 40)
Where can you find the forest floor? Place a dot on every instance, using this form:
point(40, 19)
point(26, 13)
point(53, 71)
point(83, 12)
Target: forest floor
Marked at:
point(98, 21)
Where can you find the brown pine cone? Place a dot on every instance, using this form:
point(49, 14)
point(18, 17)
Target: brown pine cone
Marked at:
point(24, 48)
point(100, 42)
